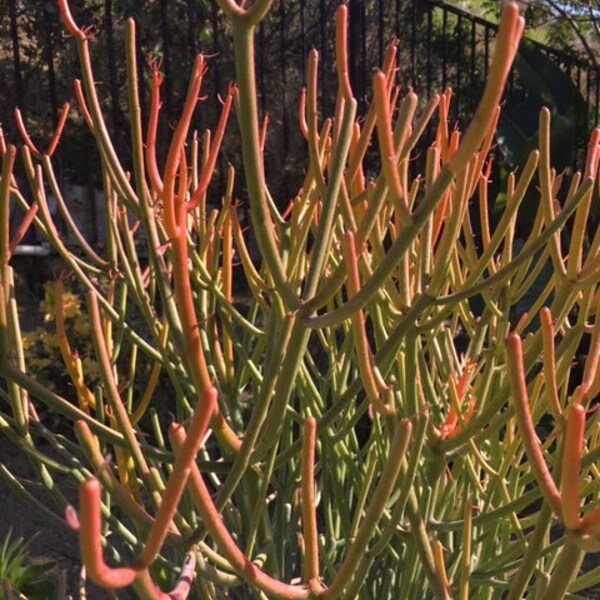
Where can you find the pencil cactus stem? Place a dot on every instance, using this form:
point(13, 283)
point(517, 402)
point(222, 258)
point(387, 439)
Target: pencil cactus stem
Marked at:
point(183, 585)
point(172, 224)
point(389, 159)
point(341, 51)
point(23, 133)
point(315, 141)
point(547, 198)
point(178, 479)
point(360, 147)
point(381, 494)
point(111, 389)
point(81, 101)
point(575, 257)
point(442, 135)
point(8, 162)
point(302, 122)
point(324, 233)
point(592, 158)
point(466, 559)
point(262, 136)
point(247, 112)
point(215, 526)
point(90, 445)
point(90, 543)
point(571, 466)
point(96, 119)
point(72, 363)
point(547, 327)
point(483, 154)
point(26, 223)
point(363, 351)
point(309, 509)
point(90, 540)
point(252, 16)
point(215, 146)
point(509, 35)
point(438, 557)
point(227, 275)
point(70, 24)
point(54, 141)
point(590, 523)
point(567, 568)
point(153, 380)
point(531, 443)
point(152, 129)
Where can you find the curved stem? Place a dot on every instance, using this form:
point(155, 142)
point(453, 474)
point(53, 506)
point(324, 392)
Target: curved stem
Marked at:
point(213, 522)
point(373, 514)
point(309, 508)
point(571, 557)
point(178, 479)
point(531, 443)
point(247, 110)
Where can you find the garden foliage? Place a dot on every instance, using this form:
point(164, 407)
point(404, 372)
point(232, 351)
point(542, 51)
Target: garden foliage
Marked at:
point(346, 399)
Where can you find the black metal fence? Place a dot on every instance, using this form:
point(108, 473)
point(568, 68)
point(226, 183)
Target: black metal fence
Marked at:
point(439, 46)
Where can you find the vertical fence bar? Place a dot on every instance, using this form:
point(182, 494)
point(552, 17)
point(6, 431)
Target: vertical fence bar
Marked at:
point(597, 95)
point(111, 62)
point(428, 42)
point(473, 66)
point(284, 90)
point(355, 49)
point(413, 44)
point(444, 48)
point(166, 51)
point(216, 48)
point(486, 53)
point(459, 58)
point(49, 52)
point(191, 30)
point(261, 55)
point(364, 69)
point(323, 57)
point(16, 52)
point(380, 30)
point(304, 45)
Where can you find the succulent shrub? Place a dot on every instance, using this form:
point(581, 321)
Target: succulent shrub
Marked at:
point(364, 423)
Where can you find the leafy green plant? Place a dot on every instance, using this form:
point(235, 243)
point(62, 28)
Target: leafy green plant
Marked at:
point(364, 424)
point(19, 578)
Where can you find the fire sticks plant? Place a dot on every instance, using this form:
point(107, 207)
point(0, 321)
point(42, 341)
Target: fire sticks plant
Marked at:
point(380, 418)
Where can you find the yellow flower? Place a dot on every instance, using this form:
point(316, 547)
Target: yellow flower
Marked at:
point(81, 327)
point(91, 369)
point(71, 303)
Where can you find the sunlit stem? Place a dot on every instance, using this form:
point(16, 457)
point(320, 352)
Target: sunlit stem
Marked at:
point(531, 443)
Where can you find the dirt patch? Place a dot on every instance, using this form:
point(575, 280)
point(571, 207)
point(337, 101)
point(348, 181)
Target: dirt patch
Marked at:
point(51, 542)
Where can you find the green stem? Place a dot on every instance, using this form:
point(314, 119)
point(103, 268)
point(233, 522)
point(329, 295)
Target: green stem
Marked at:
point(374, 512)
point(247, 111)
point(535, 544)
point(569, 562)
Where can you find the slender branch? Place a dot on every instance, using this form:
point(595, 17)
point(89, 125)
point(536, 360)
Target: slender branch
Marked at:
point(531, 443)
point(309, 509)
